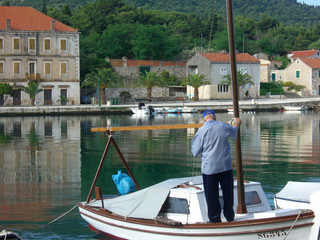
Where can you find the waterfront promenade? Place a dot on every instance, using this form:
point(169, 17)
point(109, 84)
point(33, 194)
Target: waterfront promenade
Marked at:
point(262, 104)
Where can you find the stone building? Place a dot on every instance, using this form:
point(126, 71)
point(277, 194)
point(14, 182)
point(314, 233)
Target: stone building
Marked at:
point(131, 68)
point(306, 72)
point(303, 54)
point(35, 47)
point(217, 65)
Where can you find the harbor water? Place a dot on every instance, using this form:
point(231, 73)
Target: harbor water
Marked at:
point(47, 164)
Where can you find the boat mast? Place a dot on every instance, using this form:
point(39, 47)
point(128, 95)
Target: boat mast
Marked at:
point(240, 186)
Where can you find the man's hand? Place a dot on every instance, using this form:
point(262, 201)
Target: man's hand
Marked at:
point(237, 122)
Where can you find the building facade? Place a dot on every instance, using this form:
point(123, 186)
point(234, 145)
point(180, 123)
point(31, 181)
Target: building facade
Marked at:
point(305, 72)
point(217, 65)
point(35, 47)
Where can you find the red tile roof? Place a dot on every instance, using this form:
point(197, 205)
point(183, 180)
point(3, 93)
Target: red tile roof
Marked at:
point(152, 63)
point(224, 57)
point(301, 54)
point(29, 19)
point(312, 62)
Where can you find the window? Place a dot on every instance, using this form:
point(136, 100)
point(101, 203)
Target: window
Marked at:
point(297, 74)
point(319, 74)
point(47, 68)
point(31, 70)
point(223, 88)
point(243, 70)
point(16, 68)
point(63, 69)
point(252, 198)
point(1, 68)
point(273, 77)
point(223, 71)
point(63, 45)
point(32, 45)
point(175, 205)
point(16, 44)
point(47, 44)
point(1, 45)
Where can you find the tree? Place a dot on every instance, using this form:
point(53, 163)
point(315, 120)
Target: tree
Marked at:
point(101, 78)
point(169, 80)
point(44, 7)
point(242, 79)
point(149, 80)
point(120, 36)
point(196, 81)
point(5, 88)
point(32, 90)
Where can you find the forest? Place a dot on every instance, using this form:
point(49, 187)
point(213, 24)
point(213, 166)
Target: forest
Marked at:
point(112, 28)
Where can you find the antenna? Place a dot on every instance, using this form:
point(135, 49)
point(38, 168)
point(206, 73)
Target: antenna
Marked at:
point(212, 18)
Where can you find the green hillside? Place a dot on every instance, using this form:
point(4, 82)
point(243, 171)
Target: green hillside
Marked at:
point(288, 12)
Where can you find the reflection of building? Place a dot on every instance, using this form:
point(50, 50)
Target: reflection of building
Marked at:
point(35, 47)
point(41, 164)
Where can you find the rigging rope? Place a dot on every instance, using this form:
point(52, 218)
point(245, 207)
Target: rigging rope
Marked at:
point(192, 175)
point(294, 223)
point(61, 216)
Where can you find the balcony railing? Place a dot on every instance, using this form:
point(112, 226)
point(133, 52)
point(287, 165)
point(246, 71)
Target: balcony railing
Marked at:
point(33, 76)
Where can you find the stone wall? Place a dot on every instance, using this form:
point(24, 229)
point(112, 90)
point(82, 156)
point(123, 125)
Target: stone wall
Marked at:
point(137, 93)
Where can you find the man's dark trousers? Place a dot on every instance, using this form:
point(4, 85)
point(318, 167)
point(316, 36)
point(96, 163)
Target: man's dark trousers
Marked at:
point(211, 190)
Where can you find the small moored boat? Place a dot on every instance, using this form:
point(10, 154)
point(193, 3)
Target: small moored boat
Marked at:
point(294, 108)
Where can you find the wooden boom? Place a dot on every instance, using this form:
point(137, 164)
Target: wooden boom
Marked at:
point(148, 127)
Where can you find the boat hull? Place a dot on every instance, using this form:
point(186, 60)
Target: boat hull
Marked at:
point(262, 228)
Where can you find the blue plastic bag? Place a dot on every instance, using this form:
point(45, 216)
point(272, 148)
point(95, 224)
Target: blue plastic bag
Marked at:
point(124, 183)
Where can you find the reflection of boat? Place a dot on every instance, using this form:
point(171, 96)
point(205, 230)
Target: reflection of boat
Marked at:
point(294, 108)
point(296, 195)
point(230, 110)
point(179, 110)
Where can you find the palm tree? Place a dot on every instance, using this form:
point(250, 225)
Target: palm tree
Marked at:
point(149, 80)
point(32, 90)
point(101, 78)
point(196, 80)
point(242, 79)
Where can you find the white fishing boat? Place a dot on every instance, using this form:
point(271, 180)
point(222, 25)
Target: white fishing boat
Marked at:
point(176, 209)
point(296, 195)
point(143, 110)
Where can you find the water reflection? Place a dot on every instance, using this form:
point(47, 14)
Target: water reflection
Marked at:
point(47, 163)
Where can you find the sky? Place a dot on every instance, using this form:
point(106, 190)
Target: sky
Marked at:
point(310, 2)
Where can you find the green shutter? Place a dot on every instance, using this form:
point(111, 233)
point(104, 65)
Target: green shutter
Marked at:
point(297, 74)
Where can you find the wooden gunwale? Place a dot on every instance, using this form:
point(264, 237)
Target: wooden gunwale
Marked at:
point(206, 226)
point(251, 222)
point(147, 127)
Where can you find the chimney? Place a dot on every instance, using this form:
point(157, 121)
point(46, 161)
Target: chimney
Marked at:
point(8, 24)
point(125, 61)
point(53, 25)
